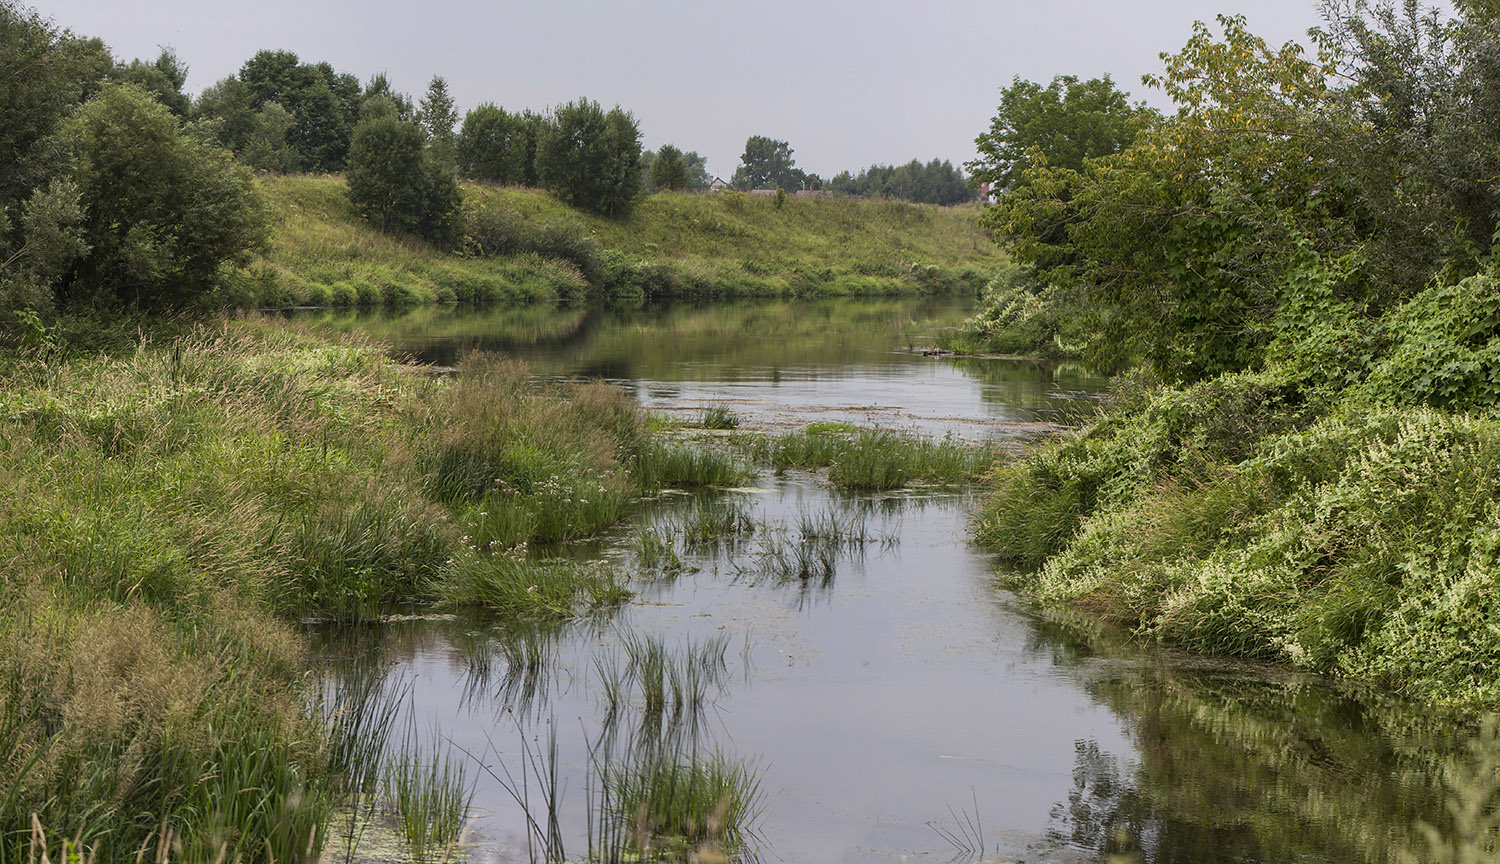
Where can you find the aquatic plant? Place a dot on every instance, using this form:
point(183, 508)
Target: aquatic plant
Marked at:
point(660, 803)
point(428, 794)
point(514, 585)
point(661, 464)
point(875, 460)
point(719, 417)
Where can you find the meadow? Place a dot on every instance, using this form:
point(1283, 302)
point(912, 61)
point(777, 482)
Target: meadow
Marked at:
point(522, 245)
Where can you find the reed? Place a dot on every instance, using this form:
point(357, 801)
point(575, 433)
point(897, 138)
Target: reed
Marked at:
point(718, 417)
point(429, 795)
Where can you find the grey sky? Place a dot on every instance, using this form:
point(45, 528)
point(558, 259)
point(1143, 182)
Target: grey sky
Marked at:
point(847, 83)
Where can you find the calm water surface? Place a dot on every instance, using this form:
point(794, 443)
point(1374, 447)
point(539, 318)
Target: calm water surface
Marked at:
point(776, 364)
point(902, 705)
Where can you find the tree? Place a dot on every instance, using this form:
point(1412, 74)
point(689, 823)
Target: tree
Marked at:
point(163, 209)
point(669, 170)
point(1066, 123)
point(164, 78)
point(325, 105)
point(589, 158)
point(767, 163)
point(379, 95)
point(394, 182)
point(496, 146)
point(1185, 240)
point(438, 117)
point(43, 75)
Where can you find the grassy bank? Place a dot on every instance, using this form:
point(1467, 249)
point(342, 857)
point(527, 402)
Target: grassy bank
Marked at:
point(1335, 511)
point(177, 507)
point(525, 245)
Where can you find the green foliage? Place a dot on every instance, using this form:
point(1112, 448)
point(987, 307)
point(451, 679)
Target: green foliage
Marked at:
point(1062, 125)
point(163, 78)
point(587, 157)
point(324, 104)
point(669, 171)
point(1017, 316)
point(163, 211)
point(936, 182)
point(767, 164)
point(1185, 237)
point(44, 73)
point(1445, 349)
point(395, 181)
point(499, 147)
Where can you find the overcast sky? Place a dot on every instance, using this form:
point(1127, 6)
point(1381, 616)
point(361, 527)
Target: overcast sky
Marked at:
point(847, 82)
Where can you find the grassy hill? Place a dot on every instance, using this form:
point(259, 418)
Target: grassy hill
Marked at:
point(682, 245)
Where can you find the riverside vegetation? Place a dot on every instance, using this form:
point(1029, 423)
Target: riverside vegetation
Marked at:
point(181, 502)
point(1303, 466)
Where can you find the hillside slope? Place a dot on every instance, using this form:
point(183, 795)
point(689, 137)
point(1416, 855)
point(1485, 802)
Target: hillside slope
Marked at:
point(523, 244)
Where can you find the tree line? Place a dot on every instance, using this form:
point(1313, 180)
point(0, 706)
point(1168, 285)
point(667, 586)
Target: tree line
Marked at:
point(767, 163)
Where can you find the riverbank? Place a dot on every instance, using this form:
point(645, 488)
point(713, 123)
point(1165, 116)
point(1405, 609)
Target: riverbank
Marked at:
point(1334, 512)
point(525, 245)
point(180, 505)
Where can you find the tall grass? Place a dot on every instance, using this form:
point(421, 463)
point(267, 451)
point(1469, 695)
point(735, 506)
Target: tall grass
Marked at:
point(875, 460)
point(664, 464)
point(429, 794)
point(175, 508)
point(515, 586)
point(668, 806)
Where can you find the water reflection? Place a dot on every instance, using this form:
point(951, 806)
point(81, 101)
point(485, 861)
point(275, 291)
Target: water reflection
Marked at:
point(1236, 762)
point(899, 702)
point(775, 363)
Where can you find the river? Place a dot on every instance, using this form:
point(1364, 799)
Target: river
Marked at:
point(901, 706)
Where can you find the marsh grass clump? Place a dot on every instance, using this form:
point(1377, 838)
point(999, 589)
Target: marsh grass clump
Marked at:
point(662, 804)
point(428, 795)
point(809, 550)
point(673, 680)
point(516, 586)
point(718, 417)
point(527, 460)
point(655, 549)
point(709, 523)
point(875, 460)
point(662, 464)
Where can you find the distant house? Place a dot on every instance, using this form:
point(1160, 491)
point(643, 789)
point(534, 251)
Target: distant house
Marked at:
point(717, 185)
